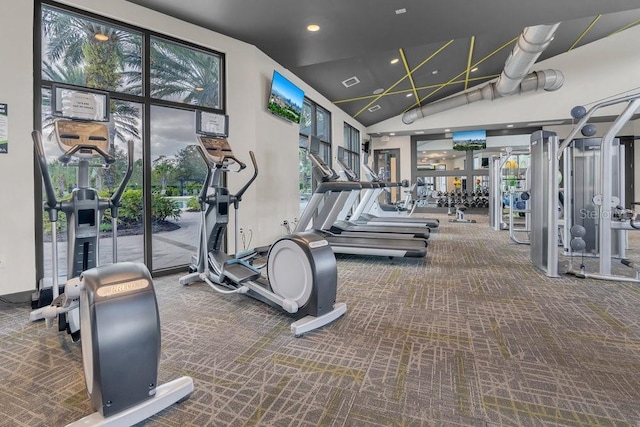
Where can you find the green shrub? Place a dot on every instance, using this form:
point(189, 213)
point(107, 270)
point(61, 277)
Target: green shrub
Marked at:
point(163, 208)
point(131, 206)
point(193, 205)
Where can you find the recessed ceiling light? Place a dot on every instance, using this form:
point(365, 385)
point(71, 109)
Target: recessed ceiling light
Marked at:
point(434, 72)
point(378, 91)
point(374, 108)
point(447, 130)
point(392, 133)
point(198, 89)
point(101, 37)
point(509, 126)
point(313, 27)
point(394, 60)
point(474, 69)
point(401, 11)
point(409, 95)
point(424, 151)
point(419, 132)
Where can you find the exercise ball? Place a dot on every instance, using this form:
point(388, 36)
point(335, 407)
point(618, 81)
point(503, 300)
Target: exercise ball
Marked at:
point(525, 195)
point(589, 130)
point(578, 112)
point(578, 231)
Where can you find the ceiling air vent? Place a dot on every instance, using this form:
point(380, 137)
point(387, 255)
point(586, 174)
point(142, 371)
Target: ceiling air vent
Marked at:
point(351, 81)
point(374, 108)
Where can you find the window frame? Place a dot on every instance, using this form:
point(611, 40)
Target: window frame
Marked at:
point(325, 142)
point(352, 146)
point(146, 100)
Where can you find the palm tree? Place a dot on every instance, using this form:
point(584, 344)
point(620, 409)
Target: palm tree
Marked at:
point(86, 53)
point(102, 51)
point(89, 53)
point(180, 74)
point(184, 73)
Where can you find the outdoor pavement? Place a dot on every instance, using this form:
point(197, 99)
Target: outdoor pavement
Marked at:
point(170, 248)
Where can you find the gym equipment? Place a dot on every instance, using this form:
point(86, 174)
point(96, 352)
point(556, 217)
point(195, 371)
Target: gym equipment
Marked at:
point(82, 135)
point(114, 306)
point(460, 215)
point(506, 174)
point(120, 362)
point(331, 198)
point(401, 227)
point(593, 196)
point(517, 203)
point(363, 213)
point(301, 267)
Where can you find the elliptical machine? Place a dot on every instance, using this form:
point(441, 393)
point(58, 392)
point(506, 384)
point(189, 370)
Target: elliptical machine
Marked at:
point(120, 362)
point(301, 267)
point(82, 136)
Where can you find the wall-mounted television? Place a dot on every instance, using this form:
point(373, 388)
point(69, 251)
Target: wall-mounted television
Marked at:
point(470, 140)
point(285, 98)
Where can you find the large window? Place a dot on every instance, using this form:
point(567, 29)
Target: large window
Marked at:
point(155, 85)
point(352, 148)
point(316, 121)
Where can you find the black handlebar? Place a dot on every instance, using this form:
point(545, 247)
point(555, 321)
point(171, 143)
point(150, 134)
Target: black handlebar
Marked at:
point(66, 157)
point(115, 197)
point(52, 201)
point(239, 194)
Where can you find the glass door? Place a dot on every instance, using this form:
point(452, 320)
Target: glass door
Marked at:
point(386, 164)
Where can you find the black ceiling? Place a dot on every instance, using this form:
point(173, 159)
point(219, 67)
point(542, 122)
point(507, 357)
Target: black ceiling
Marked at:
point(359, 38)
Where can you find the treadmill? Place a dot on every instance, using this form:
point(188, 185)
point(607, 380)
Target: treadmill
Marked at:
point(328, 197)
point(336, 220)
point(361, 215)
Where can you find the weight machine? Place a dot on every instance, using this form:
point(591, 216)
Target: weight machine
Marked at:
point(586, 215)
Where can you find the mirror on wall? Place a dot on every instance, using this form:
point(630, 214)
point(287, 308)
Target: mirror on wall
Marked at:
point(459, 174)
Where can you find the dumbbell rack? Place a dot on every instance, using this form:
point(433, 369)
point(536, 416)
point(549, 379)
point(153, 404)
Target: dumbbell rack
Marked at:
point(462, 198)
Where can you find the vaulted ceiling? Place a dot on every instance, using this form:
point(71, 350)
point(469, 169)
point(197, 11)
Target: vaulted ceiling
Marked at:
point(436, 43)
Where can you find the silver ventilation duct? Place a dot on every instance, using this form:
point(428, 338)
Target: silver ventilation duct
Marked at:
point(515, 77)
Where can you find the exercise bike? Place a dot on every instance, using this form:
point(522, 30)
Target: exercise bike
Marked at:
point(120, 362)
point(82, 137)
point(301, 267)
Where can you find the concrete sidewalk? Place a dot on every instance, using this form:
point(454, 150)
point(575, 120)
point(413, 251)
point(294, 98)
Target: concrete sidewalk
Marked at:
point(170, 248)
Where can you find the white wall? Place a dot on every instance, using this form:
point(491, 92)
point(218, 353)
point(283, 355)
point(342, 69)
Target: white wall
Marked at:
point(17, 251)
point(274, 196)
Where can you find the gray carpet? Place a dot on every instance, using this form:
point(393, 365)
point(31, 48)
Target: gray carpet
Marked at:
point(471, 335)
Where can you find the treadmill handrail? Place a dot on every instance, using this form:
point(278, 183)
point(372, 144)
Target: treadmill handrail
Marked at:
point(327, 186)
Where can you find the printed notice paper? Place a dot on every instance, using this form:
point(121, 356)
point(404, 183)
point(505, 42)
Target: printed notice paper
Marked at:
point(4, 129)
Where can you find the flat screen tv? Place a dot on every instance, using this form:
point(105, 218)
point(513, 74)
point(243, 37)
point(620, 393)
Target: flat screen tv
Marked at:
point(470, 140)
point(285, 98)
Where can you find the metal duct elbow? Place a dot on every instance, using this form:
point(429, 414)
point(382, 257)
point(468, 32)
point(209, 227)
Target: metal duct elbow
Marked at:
point(548, 80)
point(530, 45)
point(515, 77)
